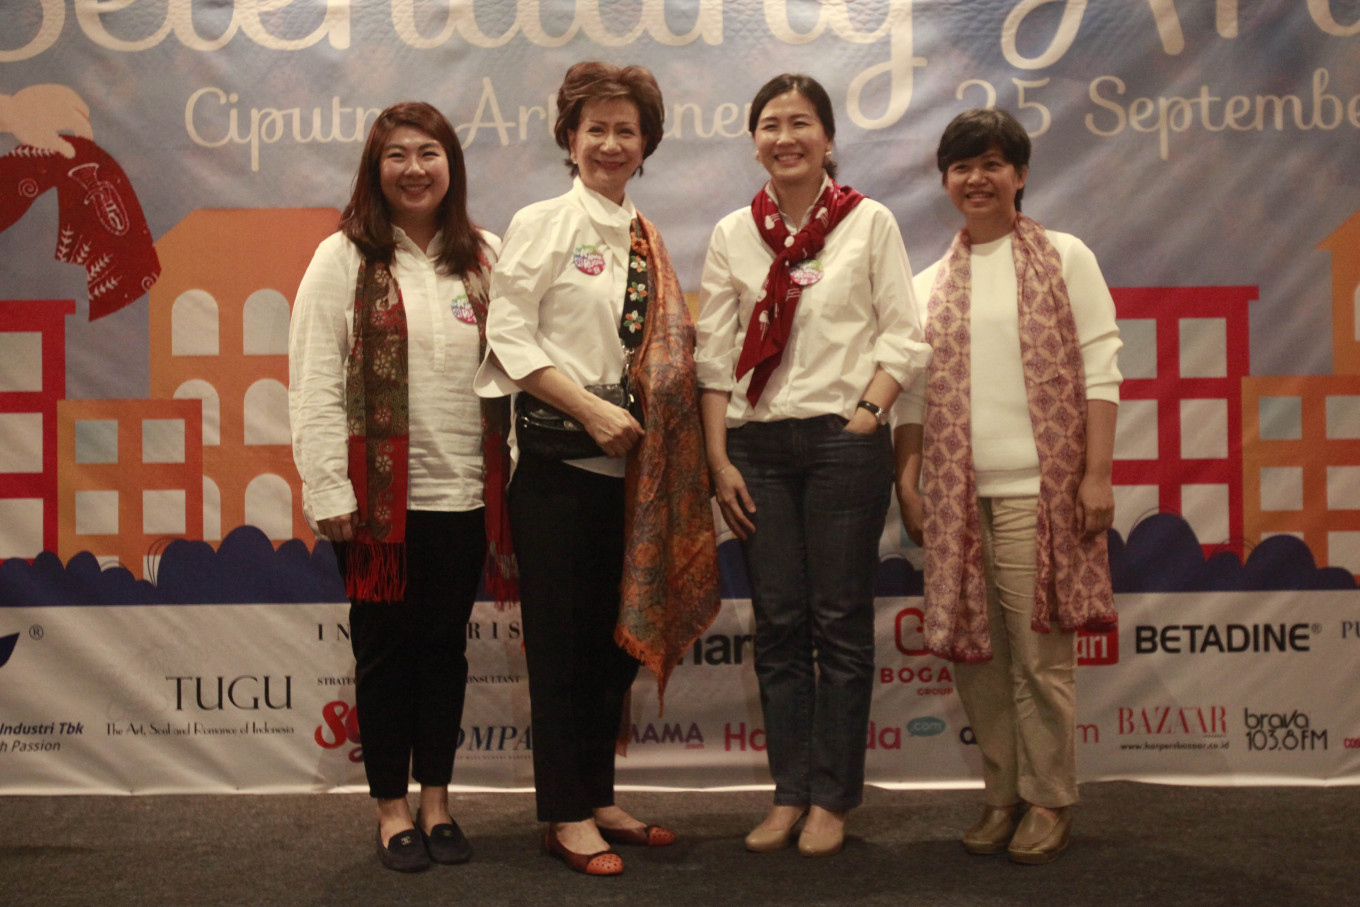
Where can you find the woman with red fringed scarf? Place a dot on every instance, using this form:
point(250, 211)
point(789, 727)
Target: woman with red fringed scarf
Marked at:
point(403, 468)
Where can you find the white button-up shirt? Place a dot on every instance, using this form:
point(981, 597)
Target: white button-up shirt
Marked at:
point(557, 296)
point(442, 348)
point(859, 316)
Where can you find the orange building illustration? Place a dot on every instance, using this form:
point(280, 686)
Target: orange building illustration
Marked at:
point(130, 478)
point(1302, 460)
point(219, 334)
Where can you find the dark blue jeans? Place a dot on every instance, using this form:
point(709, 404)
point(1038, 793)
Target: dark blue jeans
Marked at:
point(821, 496)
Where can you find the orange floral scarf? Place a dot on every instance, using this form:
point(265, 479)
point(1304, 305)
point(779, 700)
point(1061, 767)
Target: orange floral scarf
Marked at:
point(669, 595)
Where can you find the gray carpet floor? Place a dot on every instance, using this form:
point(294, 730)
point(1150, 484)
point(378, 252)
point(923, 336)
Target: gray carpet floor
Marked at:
point(1132, 844)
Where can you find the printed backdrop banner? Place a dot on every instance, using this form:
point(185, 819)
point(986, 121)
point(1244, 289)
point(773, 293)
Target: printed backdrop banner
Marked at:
point(168, 167)
point(1195, 689)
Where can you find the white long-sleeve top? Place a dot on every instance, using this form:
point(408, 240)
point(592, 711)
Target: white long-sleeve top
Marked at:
point(1005, 458)
point(859, 316)
point(442, 348)
point(557, 296)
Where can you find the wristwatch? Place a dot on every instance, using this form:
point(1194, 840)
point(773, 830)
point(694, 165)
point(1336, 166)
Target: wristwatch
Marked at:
point(875, 410)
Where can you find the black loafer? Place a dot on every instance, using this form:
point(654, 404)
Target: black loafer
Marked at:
point(404, 852)
point(446, 843)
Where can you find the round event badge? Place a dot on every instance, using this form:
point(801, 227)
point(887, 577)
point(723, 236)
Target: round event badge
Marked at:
point(462, 309)
point(806, 273)
point(587, 260)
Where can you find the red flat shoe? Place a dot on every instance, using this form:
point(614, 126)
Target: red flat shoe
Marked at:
point(651, 836)
point(604, 863)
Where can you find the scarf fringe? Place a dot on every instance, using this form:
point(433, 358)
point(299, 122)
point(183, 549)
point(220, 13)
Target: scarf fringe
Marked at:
point(376, 571)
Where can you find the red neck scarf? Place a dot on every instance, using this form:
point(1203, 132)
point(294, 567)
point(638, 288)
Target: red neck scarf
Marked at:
point(772, 319)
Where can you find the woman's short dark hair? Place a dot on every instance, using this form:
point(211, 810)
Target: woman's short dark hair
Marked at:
point(596, 81)
point(809, 88)
point(978, 131)
point(366, 220)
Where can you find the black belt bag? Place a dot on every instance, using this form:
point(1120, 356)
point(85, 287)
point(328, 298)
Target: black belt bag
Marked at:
point(545, 431)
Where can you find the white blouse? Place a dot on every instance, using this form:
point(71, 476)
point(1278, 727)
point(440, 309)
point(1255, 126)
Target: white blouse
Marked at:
point(557, 296)
point(859, 316)
point(445, 415)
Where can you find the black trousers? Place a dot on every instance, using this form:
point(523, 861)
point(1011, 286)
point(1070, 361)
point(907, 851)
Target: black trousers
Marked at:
point(410, 661)
point(568, 531)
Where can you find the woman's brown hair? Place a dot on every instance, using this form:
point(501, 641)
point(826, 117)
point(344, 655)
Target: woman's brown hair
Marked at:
point(366, 220)
point(596, 81)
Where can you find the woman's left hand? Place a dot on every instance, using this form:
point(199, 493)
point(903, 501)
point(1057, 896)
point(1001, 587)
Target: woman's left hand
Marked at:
point(1095, 506)
point(862, 423)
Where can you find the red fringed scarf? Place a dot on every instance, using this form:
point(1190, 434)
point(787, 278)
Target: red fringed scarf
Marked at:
point(772, 319)
point(1072, 583)
point(378, 422)
point(377, 417)
point(502, 573)
point(669, 595)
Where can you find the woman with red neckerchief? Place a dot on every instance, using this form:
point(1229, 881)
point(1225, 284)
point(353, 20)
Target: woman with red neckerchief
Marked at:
point(807, 332)
point(1005, 449)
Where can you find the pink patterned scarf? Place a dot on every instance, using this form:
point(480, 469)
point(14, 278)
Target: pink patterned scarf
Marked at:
point(772, 318)
point(1072, 583)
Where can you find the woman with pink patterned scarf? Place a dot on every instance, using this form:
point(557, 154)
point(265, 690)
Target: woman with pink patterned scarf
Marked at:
point(1004, 452)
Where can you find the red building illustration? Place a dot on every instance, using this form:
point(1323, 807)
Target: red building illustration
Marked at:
point(1179, 443)
point(32, 382)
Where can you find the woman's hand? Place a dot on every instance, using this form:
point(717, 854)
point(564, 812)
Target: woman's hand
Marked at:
point(734, 500)
point(338, 528)
point(612, 427)
point(862, 423)
point(1095, 506)
point(912, 505)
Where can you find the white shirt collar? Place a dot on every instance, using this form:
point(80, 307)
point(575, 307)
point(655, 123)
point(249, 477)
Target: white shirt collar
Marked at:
point(795, 226)
point(403, 241)
point(601, 210)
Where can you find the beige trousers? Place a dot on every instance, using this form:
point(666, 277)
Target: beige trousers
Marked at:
point(1022, 703)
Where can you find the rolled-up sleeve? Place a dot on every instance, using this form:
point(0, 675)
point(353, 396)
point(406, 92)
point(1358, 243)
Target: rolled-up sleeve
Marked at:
point(318, 347)
point(900, 348)
point(529, 262)
point(719, 323)
point(1094, 313)
point(910, 408)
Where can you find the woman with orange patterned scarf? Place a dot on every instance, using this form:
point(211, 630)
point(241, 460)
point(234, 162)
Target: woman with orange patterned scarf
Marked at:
point(403, 467)
point(609, 503)
point(1004, 453)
